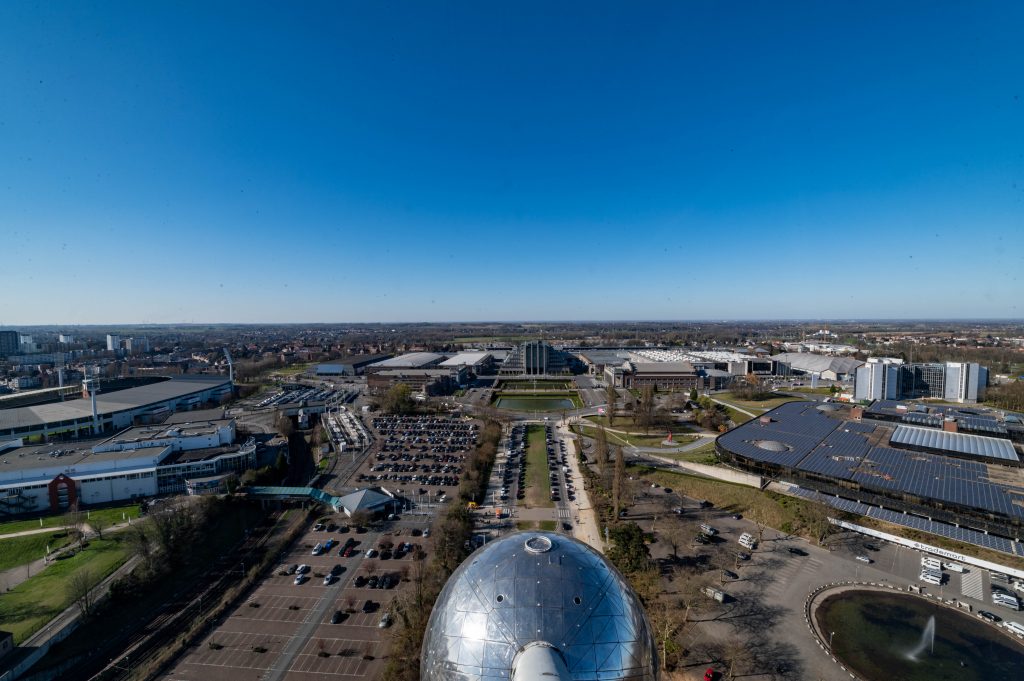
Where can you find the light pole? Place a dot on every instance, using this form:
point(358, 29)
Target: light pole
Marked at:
point(830, 640)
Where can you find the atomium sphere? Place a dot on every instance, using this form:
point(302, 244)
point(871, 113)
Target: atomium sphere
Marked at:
point(537, 604)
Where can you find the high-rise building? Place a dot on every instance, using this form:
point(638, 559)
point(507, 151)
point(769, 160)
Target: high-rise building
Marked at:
point(883, 378)
point(10, 343)
point(66, 338)
point(113, 343)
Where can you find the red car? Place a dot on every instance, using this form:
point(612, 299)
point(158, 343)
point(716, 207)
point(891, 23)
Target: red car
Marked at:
point(710, 674)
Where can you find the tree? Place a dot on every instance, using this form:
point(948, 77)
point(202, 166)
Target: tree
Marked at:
point(693, 394)
point(398, 400)
point(667, 620)
point(629, 551)
point(611, 396)
point(601, 449)
point(285, 426)
point(618, 480)
point(645, 408)
point(79, 588)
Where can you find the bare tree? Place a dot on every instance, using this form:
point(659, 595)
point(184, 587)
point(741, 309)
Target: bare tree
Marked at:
point(667, 620)
point(601, 449)
point(618, 480)
point(79, 587)
point(612, 396)
point(645, 408)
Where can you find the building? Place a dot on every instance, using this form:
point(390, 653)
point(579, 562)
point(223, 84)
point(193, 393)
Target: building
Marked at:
point(877, 379)
point(914, 469)
point(139, 462)
point(113, 343)
point(353, 365)
point(890, 379)
point(737, 364)
point(474, 363)
point(825, 367)
point(665, 376)
point(10, 343)
point(538, 358)
point(114, 410)
point(410, 360)
point(65, 338)
point(6, 643)
point(596, 361)
point(437, 381)
point(368, 501)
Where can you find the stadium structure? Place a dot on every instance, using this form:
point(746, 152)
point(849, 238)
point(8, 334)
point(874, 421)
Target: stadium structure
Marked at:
point(920, 467)
point(535, 605)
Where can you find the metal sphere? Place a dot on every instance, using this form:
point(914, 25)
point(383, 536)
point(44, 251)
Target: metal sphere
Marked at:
point(537, 602)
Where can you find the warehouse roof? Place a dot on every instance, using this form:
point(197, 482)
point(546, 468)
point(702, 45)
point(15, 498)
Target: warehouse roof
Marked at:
point(466, 359)
point(409, 360)
point(663, 368)
point(961, 443)
point(109, 403)
point(812, 363)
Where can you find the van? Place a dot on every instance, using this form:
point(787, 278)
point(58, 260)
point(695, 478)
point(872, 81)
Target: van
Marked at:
point(1015, 628)
point(954, 567)
point(931, 562)
point(930, 578)
point(747, 541)
point(708, 530)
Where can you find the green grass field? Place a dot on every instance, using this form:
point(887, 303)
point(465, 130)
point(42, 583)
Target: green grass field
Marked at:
point(703, 454)
point(34, 602)
point(538, 486)
point(638, 440)
point(756, 406)
point(107, 516)
point(17, 551)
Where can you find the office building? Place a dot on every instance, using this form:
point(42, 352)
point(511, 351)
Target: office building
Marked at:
point(885, 378)
point(10, 343)
point(537, 358)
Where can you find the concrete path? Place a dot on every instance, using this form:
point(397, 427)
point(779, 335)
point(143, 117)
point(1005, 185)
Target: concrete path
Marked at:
point(733, 406)
point(16, 575)
point(585, 525)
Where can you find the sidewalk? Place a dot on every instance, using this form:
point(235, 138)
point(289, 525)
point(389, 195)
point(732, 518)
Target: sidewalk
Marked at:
point(585, 526)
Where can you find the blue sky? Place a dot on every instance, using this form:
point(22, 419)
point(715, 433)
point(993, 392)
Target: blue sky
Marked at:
point(383, 161)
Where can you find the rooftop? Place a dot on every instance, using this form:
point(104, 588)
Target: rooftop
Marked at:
point(409, 360)
point(466, 359)
point(109, 403)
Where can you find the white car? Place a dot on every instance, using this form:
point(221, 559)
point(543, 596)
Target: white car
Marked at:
point(299, 579)
point(370, 553)
point(302, 569)
point(864, 559)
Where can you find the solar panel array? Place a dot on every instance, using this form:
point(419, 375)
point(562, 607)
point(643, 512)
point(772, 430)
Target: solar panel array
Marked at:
point(816, 443)
point(969, 536)
point(961, 443)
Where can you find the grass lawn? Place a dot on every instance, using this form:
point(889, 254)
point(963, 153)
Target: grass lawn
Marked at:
point(702, 454)
point(22, 550)
point(34, 602)
point(638, 440)
point(737, 417)
point(538, 485)
point(777, 510)
point(809, 390)
point(547, 525)
point(293, 370)
point(106, 516)
point(756, 406)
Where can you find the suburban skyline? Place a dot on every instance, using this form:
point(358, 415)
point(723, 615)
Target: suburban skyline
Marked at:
point(409, 163)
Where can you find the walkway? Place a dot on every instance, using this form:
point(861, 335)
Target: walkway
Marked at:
point(585, 527)
point(733, 406)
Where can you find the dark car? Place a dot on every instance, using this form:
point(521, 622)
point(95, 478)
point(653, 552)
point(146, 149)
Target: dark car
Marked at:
point(989, 616)
point(796, 552)
point(743, 556)
point(337, 617)
point(730, 574)
point(369, 606)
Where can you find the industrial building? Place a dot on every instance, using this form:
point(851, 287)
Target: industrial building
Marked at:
point(886, 378)
point(353, 365)
point(735, 363)
point(934, 473)
point(823, 366)
point(138, 462)
point(437, 381)
point(666, 376)
point(410, 360)
point(114, 411)
point(477, 363)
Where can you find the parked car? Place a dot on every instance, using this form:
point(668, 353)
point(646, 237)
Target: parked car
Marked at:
point(864, 559)
point(337, 617)
point(796, 552)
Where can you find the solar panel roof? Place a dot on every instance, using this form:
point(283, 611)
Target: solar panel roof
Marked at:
point(961, 443)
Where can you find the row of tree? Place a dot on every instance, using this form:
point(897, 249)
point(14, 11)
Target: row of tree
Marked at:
point(477, 469)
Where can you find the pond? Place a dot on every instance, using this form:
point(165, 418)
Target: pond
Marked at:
point(535, 403)
point(885, 636)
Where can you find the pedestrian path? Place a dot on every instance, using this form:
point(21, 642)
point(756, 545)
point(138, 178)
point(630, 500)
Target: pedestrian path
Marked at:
point(783, 576)
point(564, 513)
point(971, 585)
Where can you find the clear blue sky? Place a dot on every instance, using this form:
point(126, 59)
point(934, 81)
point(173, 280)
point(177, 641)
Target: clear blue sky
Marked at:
point(365, 161)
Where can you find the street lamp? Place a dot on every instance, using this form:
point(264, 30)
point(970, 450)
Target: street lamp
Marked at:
point(830, 639)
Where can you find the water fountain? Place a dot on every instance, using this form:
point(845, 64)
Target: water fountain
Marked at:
point(927, 640)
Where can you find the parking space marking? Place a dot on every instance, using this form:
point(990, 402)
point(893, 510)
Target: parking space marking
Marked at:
point(971, 585)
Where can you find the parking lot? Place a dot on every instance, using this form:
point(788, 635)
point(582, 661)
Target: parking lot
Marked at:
point(285, 630)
